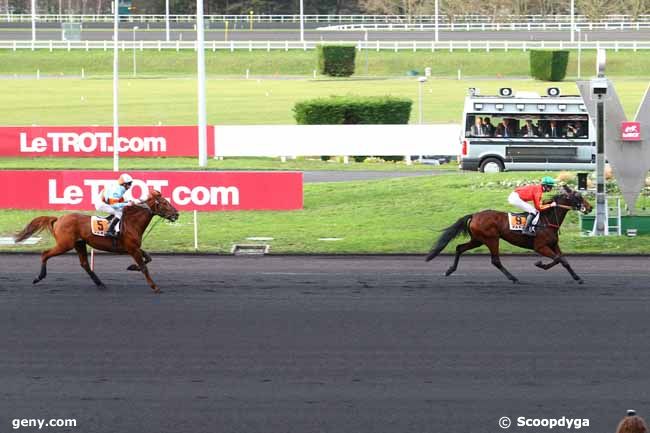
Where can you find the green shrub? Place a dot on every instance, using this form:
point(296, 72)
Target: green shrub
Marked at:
point(548, 65)
point(338, 110)
point(368, 110)
point(336, 60)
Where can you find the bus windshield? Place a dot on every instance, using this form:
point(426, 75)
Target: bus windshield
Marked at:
point(533, 126)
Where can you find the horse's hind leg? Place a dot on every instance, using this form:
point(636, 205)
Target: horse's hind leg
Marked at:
point(80, 246)
point(460, 249)
point(57, 250)
point(147, 259)
point(493, 245)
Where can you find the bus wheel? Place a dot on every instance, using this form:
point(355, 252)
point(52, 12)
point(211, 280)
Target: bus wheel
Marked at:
point(491, 165)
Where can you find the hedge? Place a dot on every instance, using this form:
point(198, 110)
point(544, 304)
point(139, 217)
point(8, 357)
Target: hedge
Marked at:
point(338, 110)
point(336, 60)
point(548, 65)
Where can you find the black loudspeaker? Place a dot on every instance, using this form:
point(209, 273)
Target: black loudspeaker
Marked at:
point(582, 181)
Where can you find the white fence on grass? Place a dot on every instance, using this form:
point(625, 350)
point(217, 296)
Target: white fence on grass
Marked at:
point(343, 140)
point(310, 45)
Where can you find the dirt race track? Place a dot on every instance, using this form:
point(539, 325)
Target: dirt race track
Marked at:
point(323, 344)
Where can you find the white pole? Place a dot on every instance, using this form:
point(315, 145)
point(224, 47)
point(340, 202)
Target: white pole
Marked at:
point(573, 20)
point(116, 129)
point(196, 232)
point(436, 21)
point(302, 21)
point(579, 52)
point(135, 71)
point(167, 20)
point(200, 60)
point(33, 20)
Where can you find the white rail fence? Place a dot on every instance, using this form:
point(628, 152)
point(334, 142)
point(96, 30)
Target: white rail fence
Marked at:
point(520, 26)
point(457, 19)
point(309, 45)
point(344, 140)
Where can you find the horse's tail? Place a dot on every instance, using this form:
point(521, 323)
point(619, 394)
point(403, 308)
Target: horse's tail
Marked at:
point(459, 227)
point(35, 226)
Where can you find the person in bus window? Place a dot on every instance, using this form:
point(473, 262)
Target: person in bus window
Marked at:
point(571, 131)
point(488, 127)
point(529, 130)
point(505, 129)
point(553, 130)
point(477, 128)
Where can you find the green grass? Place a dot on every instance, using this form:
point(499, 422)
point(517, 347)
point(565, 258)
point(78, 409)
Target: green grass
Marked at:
point(238, 102)
point(385, 63)
point(301, 164)
point(388, 216)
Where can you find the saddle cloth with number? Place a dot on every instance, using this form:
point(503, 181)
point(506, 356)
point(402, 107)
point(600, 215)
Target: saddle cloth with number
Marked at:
point(99, 225)
point(517, 221)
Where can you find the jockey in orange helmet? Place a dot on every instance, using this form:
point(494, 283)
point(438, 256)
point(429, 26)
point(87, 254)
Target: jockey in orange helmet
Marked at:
point(111, 200)
point(522, 195)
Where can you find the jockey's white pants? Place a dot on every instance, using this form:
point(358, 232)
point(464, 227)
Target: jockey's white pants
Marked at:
point(103, 207)
point(515, 200)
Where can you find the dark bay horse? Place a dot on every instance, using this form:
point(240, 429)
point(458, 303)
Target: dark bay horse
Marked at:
point(73, 231)
point(488, 226)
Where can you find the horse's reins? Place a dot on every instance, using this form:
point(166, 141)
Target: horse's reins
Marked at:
point(557, 220)
point(146, 206)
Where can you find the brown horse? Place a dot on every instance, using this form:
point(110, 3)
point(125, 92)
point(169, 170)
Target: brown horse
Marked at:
point(73, 231)
point(488, 226)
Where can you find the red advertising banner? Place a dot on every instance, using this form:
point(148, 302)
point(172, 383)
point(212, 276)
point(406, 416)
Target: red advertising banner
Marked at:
point(75, 141)
point(186, 190)
point(631, 131)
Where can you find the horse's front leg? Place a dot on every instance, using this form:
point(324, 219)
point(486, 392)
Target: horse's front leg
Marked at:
point(137, 256)
point(147, 259)
point(556, 255)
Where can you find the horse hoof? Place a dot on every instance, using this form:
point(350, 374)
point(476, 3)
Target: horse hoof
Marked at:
point(133, 268)
point(581, 281)
point(101, 287)
point(516, 281)
point(539, 264)
point(157, 291)
point(36, 280)
point(449, 272)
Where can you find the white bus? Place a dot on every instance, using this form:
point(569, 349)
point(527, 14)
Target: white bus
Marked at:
point(526, 131)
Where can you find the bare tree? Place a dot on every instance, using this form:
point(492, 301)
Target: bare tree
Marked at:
point(595, 10)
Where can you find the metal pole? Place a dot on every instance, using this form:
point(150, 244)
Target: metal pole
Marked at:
point(135, 71)
point(302, 21)
point(436, 21)
point(33, 20)
point(167, 20)
point(600, 167)
point(116, 129)
point(200, 60)
point(573, 20)
point(601, 198)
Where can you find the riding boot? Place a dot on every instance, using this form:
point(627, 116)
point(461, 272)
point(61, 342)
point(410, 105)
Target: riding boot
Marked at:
point(111, 228)
point(528, 229)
